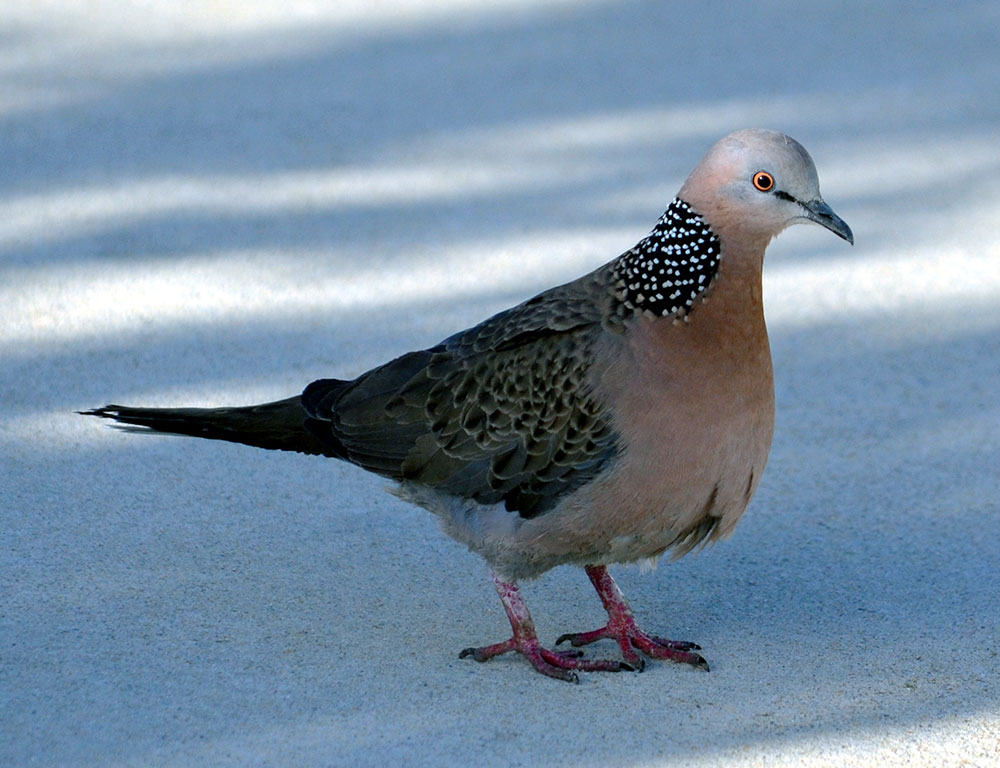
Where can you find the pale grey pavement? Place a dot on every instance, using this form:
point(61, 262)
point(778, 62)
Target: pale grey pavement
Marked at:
point(219, 205)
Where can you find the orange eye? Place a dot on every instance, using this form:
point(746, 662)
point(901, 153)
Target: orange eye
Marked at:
point(763, 181)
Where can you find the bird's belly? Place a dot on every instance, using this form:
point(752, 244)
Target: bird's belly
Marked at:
point(677, 508)
point(668, 498)
point(684, 476)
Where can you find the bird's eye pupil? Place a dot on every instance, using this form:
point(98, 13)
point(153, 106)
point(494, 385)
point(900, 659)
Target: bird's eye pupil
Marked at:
point(763, 181)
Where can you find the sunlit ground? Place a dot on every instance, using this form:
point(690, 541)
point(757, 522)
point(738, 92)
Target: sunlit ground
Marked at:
point(220, 204)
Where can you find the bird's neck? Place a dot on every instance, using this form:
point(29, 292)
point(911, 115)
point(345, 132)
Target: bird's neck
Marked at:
point(666, 272)
point(728, 315)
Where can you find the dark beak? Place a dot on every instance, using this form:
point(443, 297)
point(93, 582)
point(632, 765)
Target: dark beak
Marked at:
point(823, 214)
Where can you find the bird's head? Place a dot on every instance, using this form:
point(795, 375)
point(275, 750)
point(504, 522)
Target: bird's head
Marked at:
point(759, 182)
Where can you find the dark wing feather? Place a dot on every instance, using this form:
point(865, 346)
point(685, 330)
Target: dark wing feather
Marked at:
point(500, 412)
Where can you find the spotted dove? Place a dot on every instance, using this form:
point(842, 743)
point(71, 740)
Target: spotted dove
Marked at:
point(608, 420)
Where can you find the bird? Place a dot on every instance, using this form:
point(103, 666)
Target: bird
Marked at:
point(613, 419)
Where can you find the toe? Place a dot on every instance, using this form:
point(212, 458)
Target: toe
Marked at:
point(675, 645)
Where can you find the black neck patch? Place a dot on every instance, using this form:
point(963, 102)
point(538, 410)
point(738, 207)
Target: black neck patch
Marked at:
point(666, 271)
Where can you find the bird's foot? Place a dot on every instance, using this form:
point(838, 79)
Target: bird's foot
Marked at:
point(562, 665)
point(623, 629)
point(631, 637)
point(557, 664)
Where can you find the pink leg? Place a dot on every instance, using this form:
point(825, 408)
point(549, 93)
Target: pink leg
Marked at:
point(622, 628)
point(557, 664)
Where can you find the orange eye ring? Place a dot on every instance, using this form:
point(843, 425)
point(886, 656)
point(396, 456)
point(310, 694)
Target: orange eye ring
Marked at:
point(763, 181)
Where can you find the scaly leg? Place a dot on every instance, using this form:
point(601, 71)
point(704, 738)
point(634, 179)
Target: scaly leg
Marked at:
point(623, 629)
point(557, 664)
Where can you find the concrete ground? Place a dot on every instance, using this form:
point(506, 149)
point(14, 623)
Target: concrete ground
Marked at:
point(220, 202)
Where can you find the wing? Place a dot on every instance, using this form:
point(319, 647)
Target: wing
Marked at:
point(500, 412)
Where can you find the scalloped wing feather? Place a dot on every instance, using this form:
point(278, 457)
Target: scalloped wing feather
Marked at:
point(500, 412)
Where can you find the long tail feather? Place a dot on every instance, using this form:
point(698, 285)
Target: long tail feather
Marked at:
point(278, 426)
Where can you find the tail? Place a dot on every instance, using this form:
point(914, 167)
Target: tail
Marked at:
point(278, 426)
